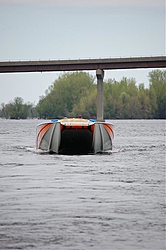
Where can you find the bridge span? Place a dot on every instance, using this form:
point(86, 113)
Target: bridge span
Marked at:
point(85, 64)
point(82, 64)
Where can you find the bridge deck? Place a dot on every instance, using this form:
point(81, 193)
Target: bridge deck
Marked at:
point(83, 64)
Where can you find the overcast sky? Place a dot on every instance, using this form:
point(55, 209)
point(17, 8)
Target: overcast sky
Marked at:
point(72, 29)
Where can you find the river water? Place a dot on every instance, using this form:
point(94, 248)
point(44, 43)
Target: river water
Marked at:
point(114, 201)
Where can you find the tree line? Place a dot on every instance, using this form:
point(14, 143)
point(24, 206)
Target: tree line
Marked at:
point(17, 109)
point(75, 93)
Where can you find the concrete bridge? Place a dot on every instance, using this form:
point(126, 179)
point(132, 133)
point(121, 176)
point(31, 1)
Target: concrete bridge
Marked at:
point(85, 64)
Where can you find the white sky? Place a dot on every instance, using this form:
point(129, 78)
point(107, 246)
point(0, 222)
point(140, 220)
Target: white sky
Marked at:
point(71, 29)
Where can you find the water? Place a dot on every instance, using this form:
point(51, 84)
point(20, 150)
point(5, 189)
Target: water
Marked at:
point(113, 201)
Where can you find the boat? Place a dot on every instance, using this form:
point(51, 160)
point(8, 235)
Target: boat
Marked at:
point(74, 136)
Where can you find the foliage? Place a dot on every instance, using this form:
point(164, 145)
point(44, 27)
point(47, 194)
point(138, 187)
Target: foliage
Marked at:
point(17, 109)
point(157, 80)
point(65, 95)
point(74, 94)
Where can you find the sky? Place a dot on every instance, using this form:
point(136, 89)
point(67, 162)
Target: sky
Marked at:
point(76, 29)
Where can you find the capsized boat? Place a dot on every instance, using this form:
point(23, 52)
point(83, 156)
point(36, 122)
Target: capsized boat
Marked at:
point(74, 136)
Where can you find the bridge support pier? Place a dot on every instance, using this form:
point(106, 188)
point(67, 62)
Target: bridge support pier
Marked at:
point(100, 77)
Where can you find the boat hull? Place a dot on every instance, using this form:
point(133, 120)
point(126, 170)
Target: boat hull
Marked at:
point(74, 136)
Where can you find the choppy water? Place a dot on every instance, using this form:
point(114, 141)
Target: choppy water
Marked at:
point(113, 201)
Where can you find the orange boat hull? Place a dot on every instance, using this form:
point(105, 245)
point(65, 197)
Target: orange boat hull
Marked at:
point(74, 136)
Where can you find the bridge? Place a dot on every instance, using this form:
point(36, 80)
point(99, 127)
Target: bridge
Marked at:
point(85, 64)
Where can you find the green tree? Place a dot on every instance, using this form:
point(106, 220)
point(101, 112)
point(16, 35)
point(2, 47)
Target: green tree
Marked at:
point(87, 105)
point(16, 109)
point(118, 98)
point(157, 79)
point(75, 93)
point(144, 102)
point(64, 95)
